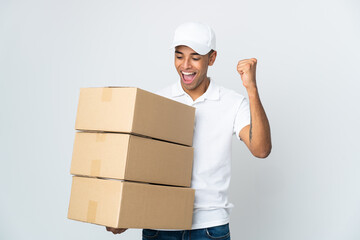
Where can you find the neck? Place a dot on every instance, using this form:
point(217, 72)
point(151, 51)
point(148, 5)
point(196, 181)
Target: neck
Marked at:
point(199, 90)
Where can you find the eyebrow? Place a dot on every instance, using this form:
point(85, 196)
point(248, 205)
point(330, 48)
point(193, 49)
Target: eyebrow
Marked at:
point(190, 53)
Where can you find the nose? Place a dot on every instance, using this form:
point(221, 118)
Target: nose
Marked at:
point(186, 63)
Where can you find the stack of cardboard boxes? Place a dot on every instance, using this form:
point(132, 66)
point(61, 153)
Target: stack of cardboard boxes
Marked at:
point(132, 160)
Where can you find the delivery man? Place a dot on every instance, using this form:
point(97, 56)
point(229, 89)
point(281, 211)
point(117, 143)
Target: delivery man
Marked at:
point(220, 114)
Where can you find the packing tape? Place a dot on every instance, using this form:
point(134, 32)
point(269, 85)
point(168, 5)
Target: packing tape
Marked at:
point(95, 167)
point(100, 137)
point(91, 213)
point(106, 95)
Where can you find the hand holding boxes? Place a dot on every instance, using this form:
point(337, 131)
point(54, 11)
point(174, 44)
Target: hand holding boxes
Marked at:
point(135, 144)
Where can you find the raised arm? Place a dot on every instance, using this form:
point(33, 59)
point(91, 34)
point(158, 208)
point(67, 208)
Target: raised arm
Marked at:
point(257, 135)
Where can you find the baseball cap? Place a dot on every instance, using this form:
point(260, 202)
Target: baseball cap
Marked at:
point(198, 36)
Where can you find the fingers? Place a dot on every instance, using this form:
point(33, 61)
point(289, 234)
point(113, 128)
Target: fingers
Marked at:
point(116, 230)
point(250, 60)
point(246, 65)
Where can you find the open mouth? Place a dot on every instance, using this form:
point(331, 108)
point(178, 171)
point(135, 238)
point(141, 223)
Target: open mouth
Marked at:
point(188, 77)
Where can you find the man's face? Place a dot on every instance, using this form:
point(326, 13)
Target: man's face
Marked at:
point(192, 67)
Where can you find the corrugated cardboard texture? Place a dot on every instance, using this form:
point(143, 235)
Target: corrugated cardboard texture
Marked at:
point(133, 110)
point(159, 162)
point(154, 206)
point(174, 121)
point(106, 109)
point(124, 204)
point(100, 154)
point(95, 201)
point(124, 156)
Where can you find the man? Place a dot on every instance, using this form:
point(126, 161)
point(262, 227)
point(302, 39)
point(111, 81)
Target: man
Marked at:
point(220, 113)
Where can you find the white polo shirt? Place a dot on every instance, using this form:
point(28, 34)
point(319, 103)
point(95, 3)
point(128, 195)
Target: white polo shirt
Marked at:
point(220, 113)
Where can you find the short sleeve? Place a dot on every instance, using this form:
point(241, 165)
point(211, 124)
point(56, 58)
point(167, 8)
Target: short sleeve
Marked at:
point(242, 118)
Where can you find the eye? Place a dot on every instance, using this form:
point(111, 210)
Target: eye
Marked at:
point(178, 57)
point(196, 59)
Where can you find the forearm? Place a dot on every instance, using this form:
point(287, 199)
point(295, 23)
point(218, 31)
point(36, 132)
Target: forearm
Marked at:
point(259, 133)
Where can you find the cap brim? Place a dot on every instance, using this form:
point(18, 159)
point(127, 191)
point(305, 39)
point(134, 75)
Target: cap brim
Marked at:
point(199, 48)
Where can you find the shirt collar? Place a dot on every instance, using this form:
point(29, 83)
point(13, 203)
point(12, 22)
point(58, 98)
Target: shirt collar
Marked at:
point(211, 93)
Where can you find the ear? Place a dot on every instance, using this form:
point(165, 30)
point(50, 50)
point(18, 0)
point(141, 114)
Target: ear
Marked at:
point(212, 58)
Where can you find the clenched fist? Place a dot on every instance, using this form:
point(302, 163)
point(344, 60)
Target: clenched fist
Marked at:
point(247, 71)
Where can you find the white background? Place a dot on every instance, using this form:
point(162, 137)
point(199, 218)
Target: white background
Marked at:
point(308, 77)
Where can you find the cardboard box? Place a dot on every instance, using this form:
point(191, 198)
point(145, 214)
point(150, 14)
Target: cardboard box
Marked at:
point(128, 157)
point(123, 204)
point(132, 110)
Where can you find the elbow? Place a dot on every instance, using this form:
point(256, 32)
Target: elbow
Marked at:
point(263, 152)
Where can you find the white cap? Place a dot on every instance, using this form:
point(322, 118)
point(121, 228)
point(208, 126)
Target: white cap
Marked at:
point(200, 37)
